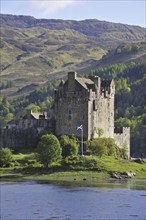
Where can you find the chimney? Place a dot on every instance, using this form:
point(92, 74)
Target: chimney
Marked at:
point(97, 82)
point(71, 80)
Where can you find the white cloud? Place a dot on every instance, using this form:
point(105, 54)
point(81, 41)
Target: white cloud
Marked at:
point(49, 6)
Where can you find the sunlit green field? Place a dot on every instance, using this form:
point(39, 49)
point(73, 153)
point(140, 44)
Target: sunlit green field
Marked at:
point(27, 168)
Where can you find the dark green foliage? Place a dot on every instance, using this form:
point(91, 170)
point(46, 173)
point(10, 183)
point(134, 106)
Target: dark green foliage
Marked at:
point(48, 150)
point(5, 112)
point(39, 100)
point(102, 146)
point(127, 48)
point(69, 146)
point(33, 107)
point(70, 161)
point(6, 157)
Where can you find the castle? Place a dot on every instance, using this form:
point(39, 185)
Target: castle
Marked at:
point(78, 102)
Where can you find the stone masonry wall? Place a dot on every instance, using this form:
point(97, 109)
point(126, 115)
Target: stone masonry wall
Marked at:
point(17, 138)
point(123, 138)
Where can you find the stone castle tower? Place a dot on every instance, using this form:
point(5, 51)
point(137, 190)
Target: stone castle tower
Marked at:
point(81, 101)
point(90, 103)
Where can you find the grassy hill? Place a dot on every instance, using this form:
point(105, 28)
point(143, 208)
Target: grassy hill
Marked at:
point(34, 51)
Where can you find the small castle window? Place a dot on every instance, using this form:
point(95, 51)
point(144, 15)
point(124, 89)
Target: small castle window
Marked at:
point(69, 115)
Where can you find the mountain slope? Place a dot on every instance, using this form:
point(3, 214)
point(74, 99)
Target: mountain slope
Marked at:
point(34, 51)
point(97, 30)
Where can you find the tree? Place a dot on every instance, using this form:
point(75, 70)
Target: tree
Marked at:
point(69, 146)
point(6, 157)
point(48, 149)
point(33, 107)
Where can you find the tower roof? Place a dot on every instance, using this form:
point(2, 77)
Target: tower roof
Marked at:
point(86, 83)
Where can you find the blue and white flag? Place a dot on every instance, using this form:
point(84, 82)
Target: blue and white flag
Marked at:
point(80, 127)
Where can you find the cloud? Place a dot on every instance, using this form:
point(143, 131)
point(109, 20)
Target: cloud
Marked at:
point(51, 6)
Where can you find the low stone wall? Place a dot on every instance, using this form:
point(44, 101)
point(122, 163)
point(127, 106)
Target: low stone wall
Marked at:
point(17, 138)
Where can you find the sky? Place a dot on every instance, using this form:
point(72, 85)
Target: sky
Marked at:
point(131, 12)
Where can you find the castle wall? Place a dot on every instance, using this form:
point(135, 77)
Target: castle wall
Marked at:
point(26, 131)
point(103, 116)
point(70, 116)
point(123, 139)
point(17, 138)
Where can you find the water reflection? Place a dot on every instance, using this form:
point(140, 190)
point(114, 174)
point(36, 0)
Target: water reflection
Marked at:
point(139, 184)
point(32, 201)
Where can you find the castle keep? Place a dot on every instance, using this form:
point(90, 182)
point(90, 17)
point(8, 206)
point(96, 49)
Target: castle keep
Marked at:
point(90, 103)
point(79, 101)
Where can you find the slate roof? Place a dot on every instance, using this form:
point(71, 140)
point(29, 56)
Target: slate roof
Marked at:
point(86, 83)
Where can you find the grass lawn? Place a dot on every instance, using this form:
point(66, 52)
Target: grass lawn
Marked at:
point(28, 169)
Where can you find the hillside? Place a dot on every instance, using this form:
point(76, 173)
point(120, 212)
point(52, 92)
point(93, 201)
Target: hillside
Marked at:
point(34, 51)
point(95, 29)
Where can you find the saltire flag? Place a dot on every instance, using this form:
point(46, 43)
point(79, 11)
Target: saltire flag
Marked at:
point(80, 127)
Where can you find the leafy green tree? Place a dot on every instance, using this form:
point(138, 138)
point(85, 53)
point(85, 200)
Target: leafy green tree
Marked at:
point(48, 149)
point(33, 107)
point(6, 157)
point(69, 146)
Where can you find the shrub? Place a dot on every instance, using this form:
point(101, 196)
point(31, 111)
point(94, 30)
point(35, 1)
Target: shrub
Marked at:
point(48, 149)
point(69, 146)
point(92, 163)
point(102, 146)
point(70, 161)
point(6, 157)
point(123, 152)
point(97, 147)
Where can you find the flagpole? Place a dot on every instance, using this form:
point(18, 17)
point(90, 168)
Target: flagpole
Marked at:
point(82, 146)
point(82, 151)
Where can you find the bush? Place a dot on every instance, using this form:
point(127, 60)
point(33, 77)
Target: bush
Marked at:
point(97, 147)
point(69, 146)
point(84, 163)
point(92, 163)
point(6, 157)
point(70, 161)
point(102, 146)
point(123, 152)
point(48, 149)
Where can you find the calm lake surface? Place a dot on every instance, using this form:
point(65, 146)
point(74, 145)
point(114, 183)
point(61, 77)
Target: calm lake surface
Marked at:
point(35, 201)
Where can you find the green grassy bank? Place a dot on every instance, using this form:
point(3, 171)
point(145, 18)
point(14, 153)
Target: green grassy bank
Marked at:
point(26, 168)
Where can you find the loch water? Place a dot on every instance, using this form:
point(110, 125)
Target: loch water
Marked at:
point(37, 201)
